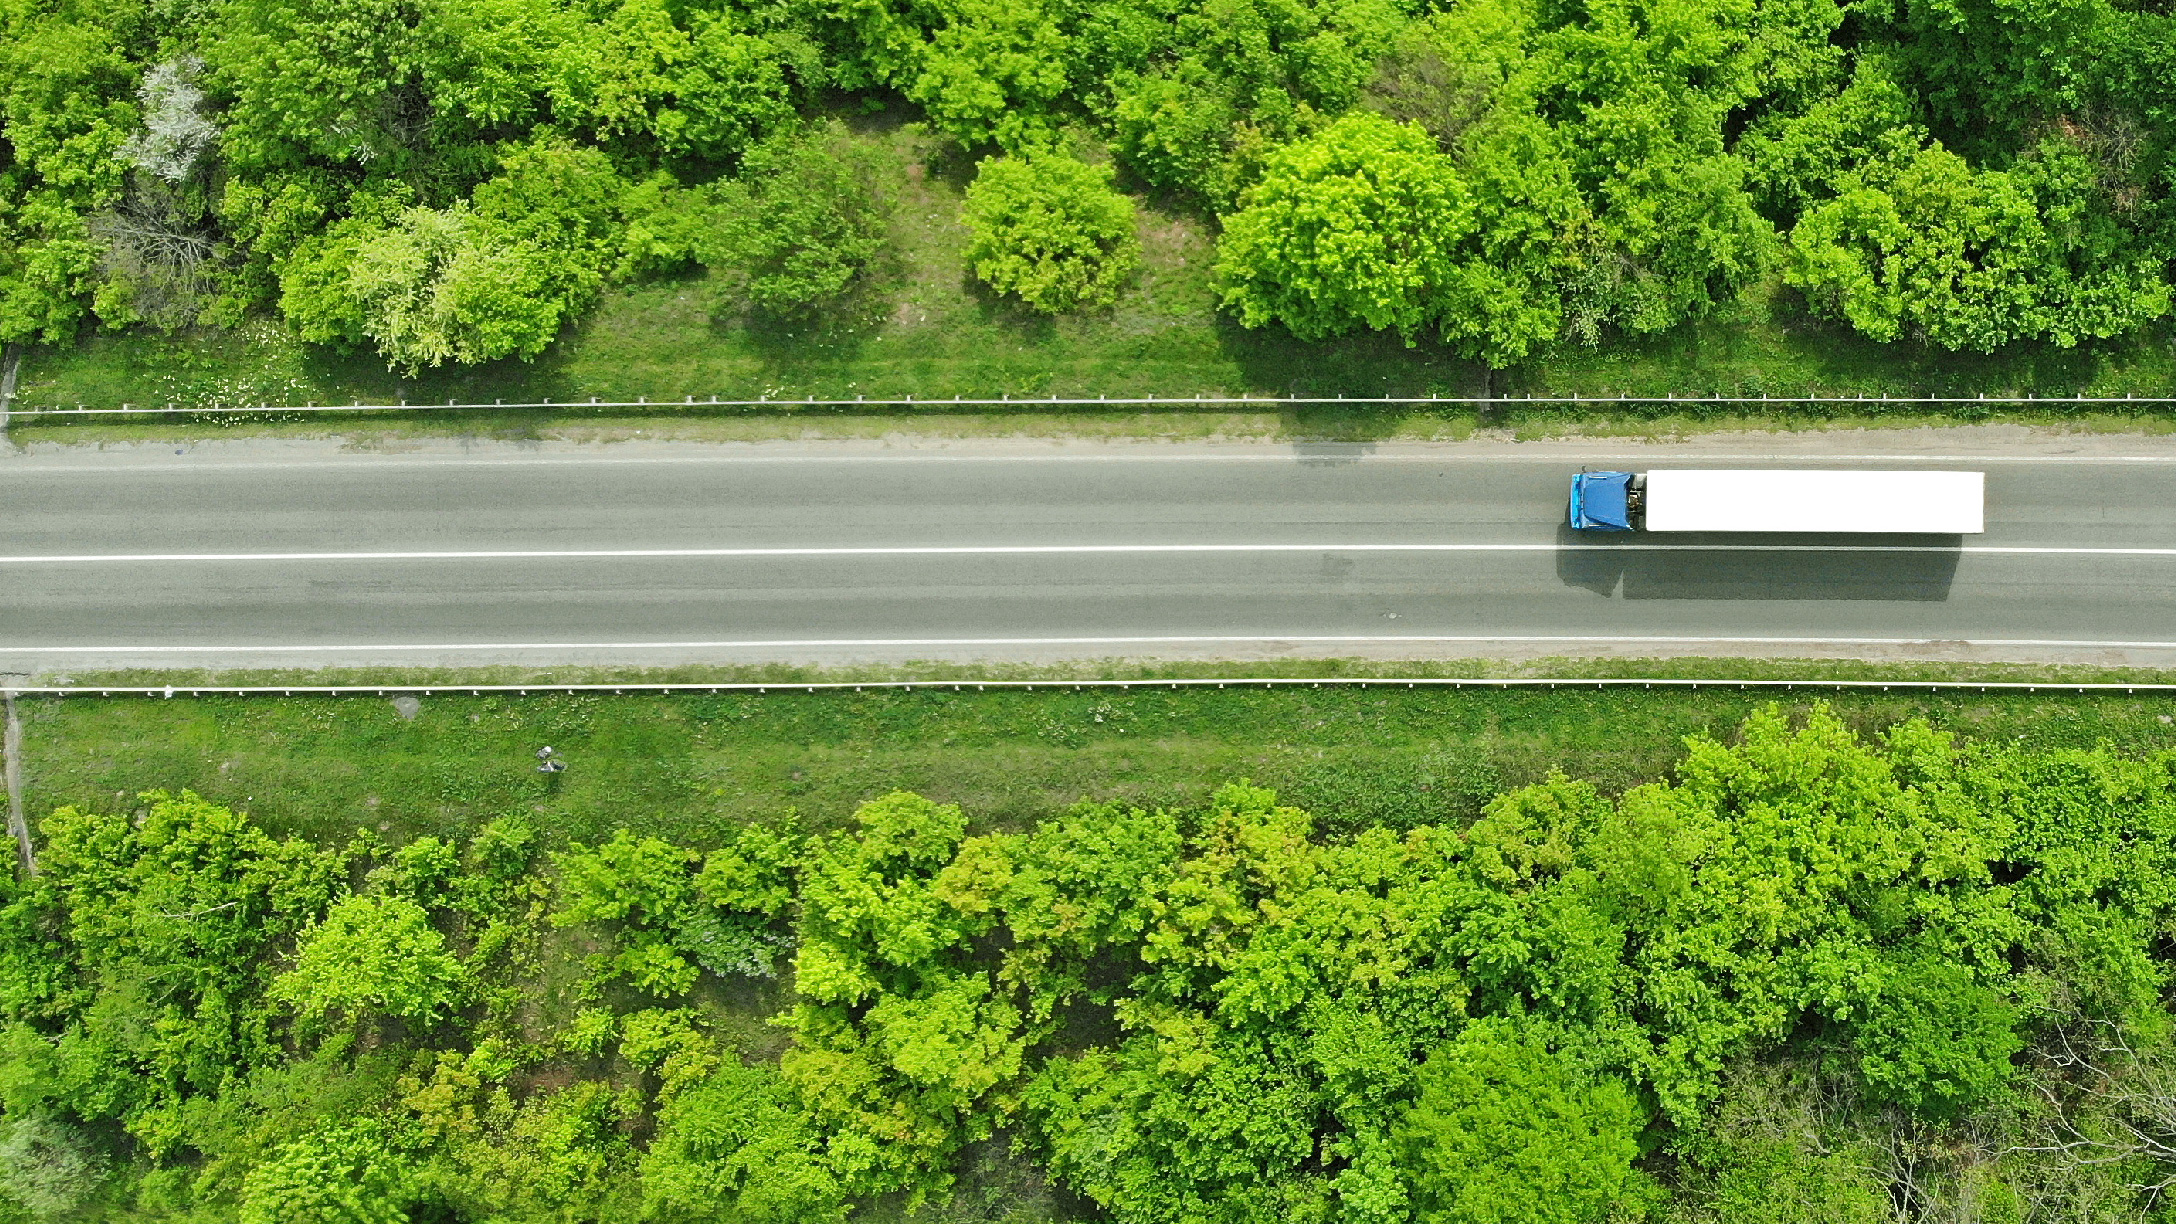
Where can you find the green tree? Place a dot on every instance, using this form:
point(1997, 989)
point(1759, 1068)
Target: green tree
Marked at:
point(739, 1146)
point(491, 65)
point(1507, 1131)
point(1772, 1152)
point(315, 81)
point(47, 1166)
point(643, 883)
point(802, 228)
point(1936, 1040)
point(559, 1154)
point(134, 982)
point(704, 91)
point(1639, 93)
point(1050, 230)
point(48, 266)
point(992, 72)
point(435, 285)
point(901, 1036)
point(1255, 1075)
point(495, 277)
point(1989, 72)
point(1200, 94)
point(66, 112)
point(374, 955)
point(1799, 160)
point(349, 1174)
point(66, 107)
point(1935, 251)
point(673, 917)
point(1369, 226)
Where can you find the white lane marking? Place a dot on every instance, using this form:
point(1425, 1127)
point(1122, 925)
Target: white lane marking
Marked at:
point(375, 463)
point(1029, 550)
point(1162, 640)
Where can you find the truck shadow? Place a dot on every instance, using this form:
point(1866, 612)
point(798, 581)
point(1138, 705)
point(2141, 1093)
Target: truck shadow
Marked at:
point(1629, 565)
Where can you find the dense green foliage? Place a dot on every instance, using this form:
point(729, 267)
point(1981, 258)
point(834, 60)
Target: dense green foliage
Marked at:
point(1051, 230)
point(1808, 978)
point(1366, 225)
point(796, 232)
point(453, 183)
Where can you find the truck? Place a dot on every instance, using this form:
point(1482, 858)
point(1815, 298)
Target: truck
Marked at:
point(1827, 501)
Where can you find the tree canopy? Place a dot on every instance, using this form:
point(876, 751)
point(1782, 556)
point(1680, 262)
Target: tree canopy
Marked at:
point(458, 183)
point(1050, 230)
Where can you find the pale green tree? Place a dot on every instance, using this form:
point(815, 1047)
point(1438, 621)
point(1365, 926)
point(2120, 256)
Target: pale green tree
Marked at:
point(1050, 229)
point(374, 955)
point(344, 1175)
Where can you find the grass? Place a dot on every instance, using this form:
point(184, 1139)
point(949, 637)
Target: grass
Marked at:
point(1721, 669)
point(688, 767)
point(924, 329)
point(1766, 343)
point(1509, 421)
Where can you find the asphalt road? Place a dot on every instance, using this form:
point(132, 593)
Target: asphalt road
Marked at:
point(803, 552)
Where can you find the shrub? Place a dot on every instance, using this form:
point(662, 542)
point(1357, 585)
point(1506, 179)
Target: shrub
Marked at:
point(1051, 230)
point(803, 225)
point(1937, 1041)
point(477, 281)
point(1508, 1131)
point(348, 1175)
point(374, 954)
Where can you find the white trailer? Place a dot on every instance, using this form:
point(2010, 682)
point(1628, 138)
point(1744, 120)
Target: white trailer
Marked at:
point(1802, 500)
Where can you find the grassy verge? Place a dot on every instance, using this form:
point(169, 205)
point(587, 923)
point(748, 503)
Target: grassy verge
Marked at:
point(688, 766)
point(924, 329)
point(1509, 421)
point(1686, 668)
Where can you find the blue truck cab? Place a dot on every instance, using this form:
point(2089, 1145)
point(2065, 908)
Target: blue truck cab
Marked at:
point(1605, 501)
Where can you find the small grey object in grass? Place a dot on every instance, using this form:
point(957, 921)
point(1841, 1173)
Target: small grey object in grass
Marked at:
point(407, 707)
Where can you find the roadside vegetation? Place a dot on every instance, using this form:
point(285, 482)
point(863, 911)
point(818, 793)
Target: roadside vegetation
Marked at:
point(685, 766)
point(1332, 955)
point(1319, 422)
point(434, 201)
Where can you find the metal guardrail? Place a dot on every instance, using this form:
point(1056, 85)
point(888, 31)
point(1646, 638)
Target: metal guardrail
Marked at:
point(1244, 682)
point(911, 403)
